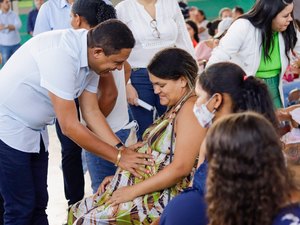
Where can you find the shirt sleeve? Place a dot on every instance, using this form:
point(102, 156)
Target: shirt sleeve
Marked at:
point(42, 23)
point(91, 83)
point(58, 71)
point(17, 22)
point(183, 39)
point(231, 43)
point(120, 12)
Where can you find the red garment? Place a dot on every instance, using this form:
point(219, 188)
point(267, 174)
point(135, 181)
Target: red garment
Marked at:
point(194, 42)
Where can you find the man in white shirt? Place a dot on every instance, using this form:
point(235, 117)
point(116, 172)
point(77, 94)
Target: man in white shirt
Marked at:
point(10, 24)
point(52, 70)
point(53, 15)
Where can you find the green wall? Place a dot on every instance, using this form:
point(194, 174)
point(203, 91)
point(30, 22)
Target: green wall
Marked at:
point(212, 7)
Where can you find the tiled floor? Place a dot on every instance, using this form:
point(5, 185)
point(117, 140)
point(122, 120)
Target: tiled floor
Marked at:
point(57, 203)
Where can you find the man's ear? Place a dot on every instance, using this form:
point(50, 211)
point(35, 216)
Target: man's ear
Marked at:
point(97, 52)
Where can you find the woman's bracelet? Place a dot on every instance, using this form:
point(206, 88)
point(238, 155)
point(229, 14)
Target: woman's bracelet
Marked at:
point(118, 158)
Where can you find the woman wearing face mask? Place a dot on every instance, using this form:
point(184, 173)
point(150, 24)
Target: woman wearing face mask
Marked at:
point(221, 90)
point(262, 42)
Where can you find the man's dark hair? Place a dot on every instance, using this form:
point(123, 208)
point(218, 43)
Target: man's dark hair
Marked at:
point(111, 35)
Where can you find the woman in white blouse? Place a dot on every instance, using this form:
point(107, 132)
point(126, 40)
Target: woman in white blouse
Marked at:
point(156, 24)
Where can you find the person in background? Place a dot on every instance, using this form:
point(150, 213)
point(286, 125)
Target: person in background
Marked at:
point(202, 25)
point(10, 24)
point(290, 213)
point(225, 12)
point(184, 9)
point(223, 26)
point(204, 48)
point(193, 13)
point(262, 42)
point(53, 15)
point(198, 17)
point(32, 16)
point(193, 31)
point(246, 195)
point(237, 12)
point(156, 25)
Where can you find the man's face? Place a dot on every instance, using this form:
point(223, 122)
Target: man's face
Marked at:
point(101, 64)
point(38, 3)
point(5, 5)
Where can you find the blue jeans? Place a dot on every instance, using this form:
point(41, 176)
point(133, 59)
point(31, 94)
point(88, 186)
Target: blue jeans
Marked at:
point(71, 166)
point(100, 168)
point(23, 185)
point(141, 82)
point(7, 51)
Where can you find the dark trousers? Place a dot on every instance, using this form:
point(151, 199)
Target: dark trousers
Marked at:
point(1, 211)
point(141, 82)
point(23, 185)
point(71, 166)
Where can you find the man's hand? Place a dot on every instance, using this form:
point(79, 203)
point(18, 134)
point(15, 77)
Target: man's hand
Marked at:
point(2, 27)
point(135, 162)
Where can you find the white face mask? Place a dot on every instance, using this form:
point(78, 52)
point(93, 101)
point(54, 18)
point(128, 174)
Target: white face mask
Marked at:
point(203, 115)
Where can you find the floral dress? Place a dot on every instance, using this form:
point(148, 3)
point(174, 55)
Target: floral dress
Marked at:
point(143, 209)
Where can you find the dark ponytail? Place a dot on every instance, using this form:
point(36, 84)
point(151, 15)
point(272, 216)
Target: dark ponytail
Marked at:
point(94, 11)
point(105, 12)
point(250, 94)
point(256, 97)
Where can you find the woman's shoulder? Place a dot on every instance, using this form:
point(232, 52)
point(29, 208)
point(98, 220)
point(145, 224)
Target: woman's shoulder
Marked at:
point(124, 5)
point(187, 108)
point(242, 23)
point(289, 215)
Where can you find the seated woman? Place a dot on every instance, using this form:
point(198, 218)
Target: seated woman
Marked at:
point(221, 90)
point(173, 140)
point(248, 181)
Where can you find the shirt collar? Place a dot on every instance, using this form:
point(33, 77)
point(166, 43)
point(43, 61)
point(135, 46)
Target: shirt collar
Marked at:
point(9, 11)
point(64, 3)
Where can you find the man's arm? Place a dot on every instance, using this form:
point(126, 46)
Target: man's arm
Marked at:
point(108, 94)
point(90, 139)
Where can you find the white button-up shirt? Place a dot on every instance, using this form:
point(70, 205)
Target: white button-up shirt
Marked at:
point(53, 61)
point(53, 15)
point(10, 37)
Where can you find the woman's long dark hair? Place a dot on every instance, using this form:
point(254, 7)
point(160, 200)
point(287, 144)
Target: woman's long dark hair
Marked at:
point(261, 16)
point(193, 25)
point(246, 171)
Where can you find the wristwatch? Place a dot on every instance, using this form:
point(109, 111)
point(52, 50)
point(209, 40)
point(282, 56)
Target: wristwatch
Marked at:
point(119, 145)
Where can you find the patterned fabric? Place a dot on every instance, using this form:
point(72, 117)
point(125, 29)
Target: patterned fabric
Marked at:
point(143, 209)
